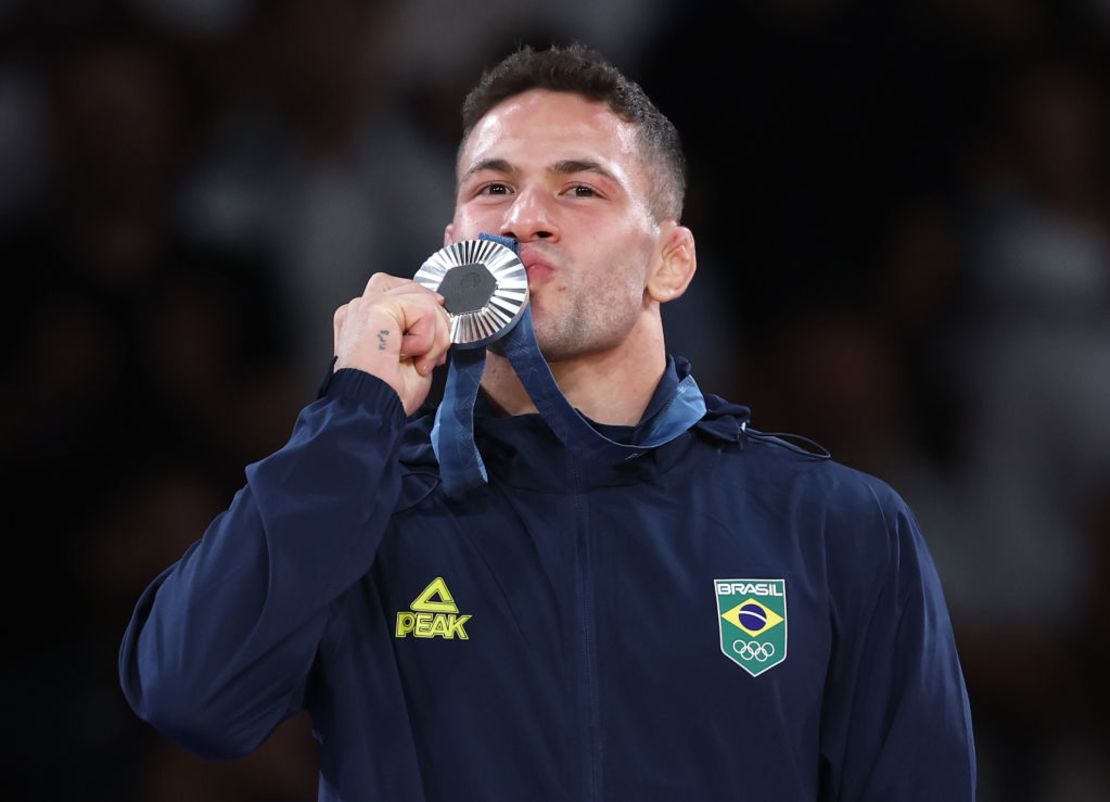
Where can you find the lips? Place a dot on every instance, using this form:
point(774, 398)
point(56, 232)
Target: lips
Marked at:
point(538, 268)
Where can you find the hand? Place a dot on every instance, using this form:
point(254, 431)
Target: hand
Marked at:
point(396, 330)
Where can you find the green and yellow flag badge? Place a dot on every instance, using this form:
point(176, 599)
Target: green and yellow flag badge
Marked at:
point(752, 618)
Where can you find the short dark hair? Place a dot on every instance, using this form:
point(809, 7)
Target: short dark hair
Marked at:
point(581, 71)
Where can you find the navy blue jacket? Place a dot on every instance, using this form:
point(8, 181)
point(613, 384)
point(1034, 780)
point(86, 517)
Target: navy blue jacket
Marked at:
point(556, 635)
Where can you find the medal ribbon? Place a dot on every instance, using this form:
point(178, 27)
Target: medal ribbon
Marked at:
point(460, 465)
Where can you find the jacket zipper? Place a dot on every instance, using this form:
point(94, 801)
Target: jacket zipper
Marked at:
point(589, 705)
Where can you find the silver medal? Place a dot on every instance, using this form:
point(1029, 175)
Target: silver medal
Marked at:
point(484, 285)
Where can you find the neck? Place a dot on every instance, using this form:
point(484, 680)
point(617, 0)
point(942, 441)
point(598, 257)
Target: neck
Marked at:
point(610, 387)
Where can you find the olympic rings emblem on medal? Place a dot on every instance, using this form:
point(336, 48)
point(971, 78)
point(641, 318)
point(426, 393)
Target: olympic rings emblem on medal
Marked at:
point(754, 650)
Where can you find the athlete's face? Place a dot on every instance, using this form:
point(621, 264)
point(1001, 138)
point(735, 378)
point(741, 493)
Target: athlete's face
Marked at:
point(565, 177)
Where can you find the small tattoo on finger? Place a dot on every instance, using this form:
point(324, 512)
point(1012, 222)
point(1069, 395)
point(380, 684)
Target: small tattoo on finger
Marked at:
point(383, 336)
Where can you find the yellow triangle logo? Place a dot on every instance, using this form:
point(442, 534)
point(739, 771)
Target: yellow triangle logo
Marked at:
point(757, 619)
point(436, 588)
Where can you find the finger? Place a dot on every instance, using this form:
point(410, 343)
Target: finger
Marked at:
point(386, 284)
point(337, 325)
point(441, 341)
point(428, 337)
point(416, 290)
point(418, 338)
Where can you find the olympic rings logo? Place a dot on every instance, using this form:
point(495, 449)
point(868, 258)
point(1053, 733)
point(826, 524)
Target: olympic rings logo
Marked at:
point(754, 650)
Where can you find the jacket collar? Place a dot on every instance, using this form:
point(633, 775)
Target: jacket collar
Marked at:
point(521, 451)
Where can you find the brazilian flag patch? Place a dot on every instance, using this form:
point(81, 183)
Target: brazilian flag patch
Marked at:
point(751, 614)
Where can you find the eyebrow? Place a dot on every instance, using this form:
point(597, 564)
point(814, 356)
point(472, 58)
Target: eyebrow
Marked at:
point(493, 165)
point(563, 167)
point(571, 166)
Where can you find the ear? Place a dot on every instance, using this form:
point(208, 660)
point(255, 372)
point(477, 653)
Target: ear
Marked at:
point(448, 233)
point(676, 267)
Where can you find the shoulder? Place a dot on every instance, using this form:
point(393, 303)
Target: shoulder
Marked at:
point(792, 464)
point(817, 476)
point(859, 518)
point(854, 529)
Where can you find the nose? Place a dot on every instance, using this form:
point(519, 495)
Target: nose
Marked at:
point(529, 218)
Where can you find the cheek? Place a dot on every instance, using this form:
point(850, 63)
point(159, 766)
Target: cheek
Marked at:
point(471, 221)
point(460, 227)
point(613, 292)
point(624, 270)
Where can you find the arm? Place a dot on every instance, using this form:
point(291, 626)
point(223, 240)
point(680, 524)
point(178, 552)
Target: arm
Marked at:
point(219, 648)
point(896, 724)
point(220, 645)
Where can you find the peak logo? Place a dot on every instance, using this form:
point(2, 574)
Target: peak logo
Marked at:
point(433, 614)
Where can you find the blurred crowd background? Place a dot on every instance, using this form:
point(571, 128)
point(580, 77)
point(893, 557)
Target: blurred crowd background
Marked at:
point(903, 219)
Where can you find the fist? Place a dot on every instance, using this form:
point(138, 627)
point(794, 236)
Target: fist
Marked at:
point(397, 331)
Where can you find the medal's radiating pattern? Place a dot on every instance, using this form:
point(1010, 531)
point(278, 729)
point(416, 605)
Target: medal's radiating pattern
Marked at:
point(485, 287)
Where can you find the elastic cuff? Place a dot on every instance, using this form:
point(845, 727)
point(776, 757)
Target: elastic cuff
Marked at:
point(364, 387)
point(325, 380)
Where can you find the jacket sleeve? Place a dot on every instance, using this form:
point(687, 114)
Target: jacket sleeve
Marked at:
point(219, 648)
point(896, 724)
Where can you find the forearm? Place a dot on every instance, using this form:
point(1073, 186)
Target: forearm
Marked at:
point(221, 644)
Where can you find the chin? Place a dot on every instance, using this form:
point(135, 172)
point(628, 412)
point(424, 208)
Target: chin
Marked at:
point(552, 349)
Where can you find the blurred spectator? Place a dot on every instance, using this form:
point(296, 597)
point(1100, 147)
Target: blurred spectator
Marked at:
point(118, 320)
point(1035, 369)
point(131, 348)
point(313, 164)
point(22, 156)
point(470, 33)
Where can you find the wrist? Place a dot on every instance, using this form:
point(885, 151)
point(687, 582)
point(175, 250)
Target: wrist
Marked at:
point(375, 348)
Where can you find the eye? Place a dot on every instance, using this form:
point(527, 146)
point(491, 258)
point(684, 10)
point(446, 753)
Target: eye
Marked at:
point(495, 188)
point(583, 191)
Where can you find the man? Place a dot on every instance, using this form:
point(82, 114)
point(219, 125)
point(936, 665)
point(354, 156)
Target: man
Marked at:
point(713, 615)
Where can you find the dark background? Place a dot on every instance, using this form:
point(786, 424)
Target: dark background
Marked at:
point(903, 219)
